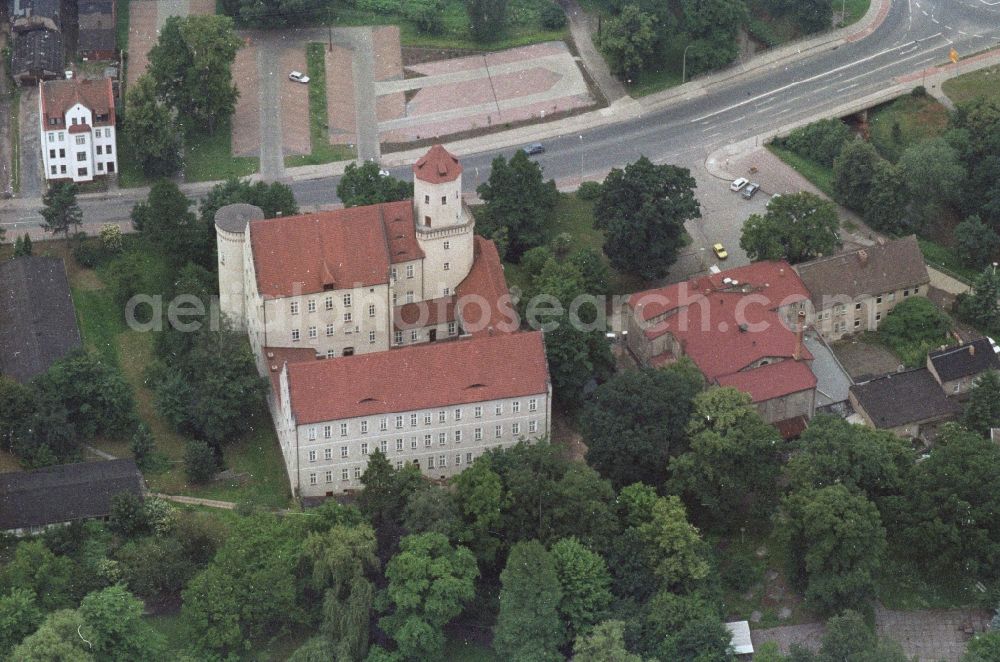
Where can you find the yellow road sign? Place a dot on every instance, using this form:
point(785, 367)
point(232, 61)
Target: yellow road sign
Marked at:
point(953, 56)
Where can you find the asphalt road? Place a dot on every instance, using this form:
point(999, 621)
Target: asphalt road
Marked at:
point(914, 35)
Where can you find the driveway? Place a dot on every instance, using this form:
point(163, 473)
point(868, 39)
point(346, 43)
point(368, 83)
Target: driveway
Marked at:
point(32, 184)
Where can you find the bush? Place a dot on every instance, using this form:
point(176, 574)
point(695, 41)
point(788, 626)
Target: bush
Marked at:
point(820, 141)
point(919, 91)
point(589, 191)
point(741, 573)
point(912, 328)
point(90, 253)
point(200, 463)
point(553, 17)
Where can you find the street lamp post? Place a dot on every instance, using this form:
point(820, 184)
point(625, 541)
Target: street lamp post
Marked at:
point(684, 64)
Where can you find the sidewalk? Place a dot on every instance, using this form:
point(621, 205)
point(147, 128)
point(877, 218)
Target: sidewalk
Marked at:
point(581, 28)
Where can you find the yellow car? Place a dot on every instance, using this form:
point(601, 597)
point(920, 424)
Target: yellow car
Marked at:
point(720, 252)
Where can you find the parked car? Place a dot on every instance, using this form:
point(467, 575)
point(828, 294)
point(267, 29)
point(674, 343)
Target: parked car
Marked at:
point(534, 148)
point(750, 190)
point(720, 251)
point(738, 184)
point(298, 77)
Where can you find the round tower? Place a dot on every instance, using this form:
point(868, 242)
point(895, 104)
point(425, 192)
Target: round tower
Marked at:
point(444, 227)
point(230, 237)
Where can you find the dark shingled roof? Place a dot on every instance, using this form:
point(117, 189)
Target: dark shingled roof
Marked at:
point(37, 54)
point(37, 318)
point(957, 362)
point(873, 270)
point(902, 398)
point(64, 493)
point(97, 26)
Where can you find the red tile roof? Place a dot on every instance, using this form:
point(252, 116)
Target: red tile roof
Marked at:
point(338, 249)
point(791, 428)
point(275, 357)
point(437, 166)
point(58, 96)
point(772, 381)
point(79, 128)
point(484, 299)
point(424, 313)
point(419, 377)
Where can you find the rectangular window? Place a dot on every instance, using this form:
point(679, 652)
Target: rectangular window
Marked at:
point(478, 411)
point(62, 154)
point(442, 438)
point(427, 199)
point(347, 300)
point(532, 426)
point(430, 462)
point(347, 317)
point(52, 153)
point(331, 353)
point(468, 458)
point(427, 418)
point(446, 291)
point(499, 409)
point(397, 337)
point(364, 448)
point(98, 149)
point(293, 307)
point(878, 317)
point(442, 461)
point(447, 245)
point(371, 337)
point(442, 416)
point(906, 293)
point(458, 436)
point(532, 404)
point(479, 434)
point(327, 453)
point(409, 297)
point(409, 271)
point(399, 444)
point(328, 303)
point(414, 335)
point(330, 329)
point(857, 323)
point(364, 427)
point(383, 446)
point(452, 328)
point(329, 476)
point(80, 140)
point(892, 296)
point(458, 460)
point(458, 414)
point(444, 199)
point(399, 422)
point(392, 274)
point(107, 134)
point(371, 310)
point(343, 474)
point(447, 266)
point(383, 424)
point(62, 170)
point(399, 465)
point(312, 456)
point(413, 420)
point(311, 306)
point(427, 441)
point(413, 442)
point(52, 138)
point(100, 166)
point(108, 150)
point(295, 335)
point(312, 479)
point(515, 428)
point(312, 332)
point(516, 406)
point(878, 299)
point(53, 170)
point(327, 431)
point(81, 156)
point(357, 472)
point(82, 172)
point(498, 431)
point(343, 451)
point(857, 306)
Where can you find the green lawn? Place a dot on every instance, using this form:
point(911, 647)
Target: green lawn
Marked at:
point(854, 10)
point(256, 457)
point(130, 174)
point(523, 26)
point(918, 118)
point(576, 217)
point(208, 157)
point(946, 259)
point(819, 175)
point(121, 27)
point(319, 136)
point(983, 83)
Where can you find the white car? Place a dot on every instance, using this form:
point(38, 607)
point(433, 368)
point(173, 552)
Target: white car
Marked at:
point(298, 77)
point(738, 184)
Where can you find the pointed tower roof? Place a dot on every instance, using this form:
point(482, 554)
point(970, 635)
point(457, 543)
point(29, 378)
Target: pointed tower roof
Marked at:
point(437, 166)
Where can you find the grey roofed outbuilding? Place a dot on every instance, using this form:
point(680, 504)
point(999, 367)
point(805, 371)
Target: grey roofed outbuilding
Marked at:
point(64, 493)
point(37, 318)
point(902, 398)
point(37, 55)
point(869, 271)
point(956, 362)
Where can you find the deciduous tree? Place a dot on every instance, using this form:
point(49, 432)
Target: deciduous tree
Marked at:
point(150, 131)
point(167, 221)
point(795, 227)
point(886, 208)
point(363, 185)
point(516, 197)
point(982, 307)
point(605, 643)
point(528, 626)
point(977, 243)
point(19, 617)
point(642, 210)
point(853, 172)
point(628, 40)
point(585, 586)
point(983, 409)
point(61, 211)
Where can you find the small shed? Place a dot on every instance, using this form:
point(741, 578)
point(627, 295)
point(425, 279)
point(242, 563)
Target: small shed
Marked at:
point(741, 643)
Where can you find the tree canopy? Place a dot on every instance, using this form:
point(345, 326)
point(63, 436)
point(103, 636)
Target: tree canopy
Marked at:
point(150, 130)
point(61, 212)
point(518, 202)
point(364, 185)
point(795, 227)
point(528, 626)
point(642, 210)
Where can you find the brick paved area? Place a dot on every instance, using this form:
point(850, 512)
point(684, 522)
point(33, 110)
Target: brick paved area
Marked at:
point(933, 634)
point(388, 53)
point(141, 37)
point(294, 104)
point(246, 117)
point(340, 109)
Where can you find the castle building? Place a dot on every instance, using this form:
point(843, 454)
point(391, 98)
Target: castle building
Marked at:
point(389, 313)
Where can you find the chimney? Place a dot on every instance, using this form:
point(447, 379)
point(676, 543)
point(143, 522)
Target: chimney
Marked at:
point(799, 326)
point(863, 257)
point(972, 350)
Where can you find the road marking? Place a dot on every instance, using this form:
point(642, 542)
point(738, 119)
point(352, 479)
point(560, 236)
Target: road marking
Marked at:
point(844, 89)
point(712, 135)
point(812, 78)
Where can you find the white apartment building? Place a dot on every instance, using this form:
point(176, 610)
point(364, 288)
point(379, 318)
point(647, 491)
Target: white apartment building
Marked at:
point(362, 295)
point(77, 129)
